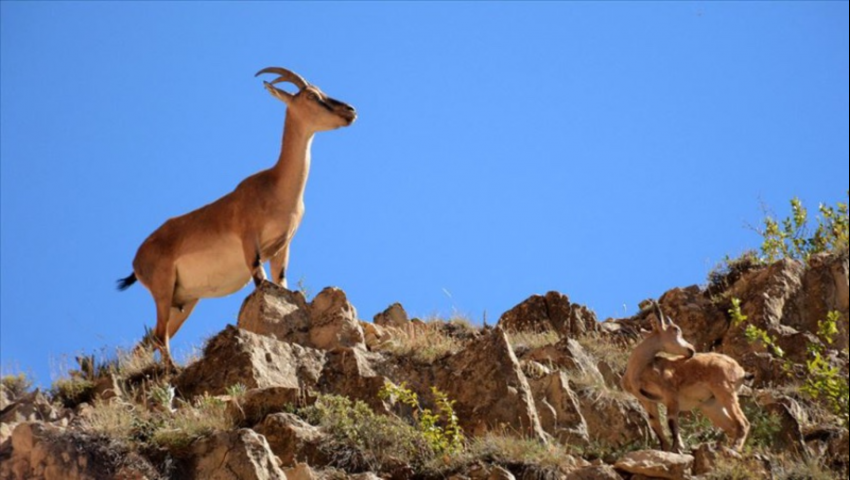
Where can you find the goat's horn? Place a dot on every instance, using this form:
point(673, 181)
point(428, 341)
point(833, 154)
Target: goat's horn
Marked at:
point(285, 76)
point(659, 313)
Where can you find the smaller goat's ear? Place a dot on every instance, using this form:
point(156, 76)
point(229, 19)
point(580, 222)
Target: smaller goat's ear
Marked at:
point(278, 93)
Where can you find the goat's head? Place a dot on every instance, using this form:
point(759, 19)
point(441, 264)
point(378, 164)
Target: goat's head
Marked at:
point(669, 335)
point(310, 106)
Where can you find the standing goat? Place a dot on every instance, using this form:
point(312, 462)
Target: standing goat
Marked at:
point(707, 381)
point(217, 249)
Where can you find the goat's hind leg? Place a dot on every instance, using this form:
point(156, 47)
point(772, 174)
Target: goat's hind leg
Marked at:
point(722, 418)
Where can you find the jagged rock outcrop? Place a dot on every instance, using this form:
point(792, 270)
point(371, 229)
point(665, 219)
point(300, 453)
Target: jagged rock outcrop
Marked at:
point(236, 356)
point(349, 372)
point(239, 455)
point(287, 351)
point(43, 451)
point(394, 316)
point(552, 311)
point(491, 391)
point(558, 409)
point(328, 322)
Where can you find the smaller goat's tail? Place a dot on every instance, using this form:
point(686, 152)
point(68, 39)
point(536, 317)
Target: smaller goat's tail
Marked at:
point(125, 283)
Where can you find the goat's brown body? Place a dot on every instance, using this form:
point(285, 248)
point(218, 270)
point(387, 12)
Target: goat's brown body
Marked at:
point(208, 256)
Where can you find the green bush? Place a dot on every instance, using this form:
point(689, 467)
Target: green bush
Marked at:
point(362, 439)
point(792, 237)
point(824, 381)
point(441, 429)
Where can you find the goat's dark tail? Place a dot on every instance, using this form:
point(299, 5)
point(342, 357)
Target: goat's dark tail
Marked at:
point(125, 283)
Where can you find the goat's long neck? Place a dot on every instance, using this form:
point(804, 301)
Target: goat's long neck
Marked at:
point(641, 357)
point(293, 165)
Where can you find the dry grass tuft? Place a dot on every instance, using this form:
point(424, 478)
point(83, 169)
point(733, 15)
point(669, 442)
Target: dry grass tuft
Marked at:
point(614, 353)
point(424, 342)
point(533, 340)
point(550, 460)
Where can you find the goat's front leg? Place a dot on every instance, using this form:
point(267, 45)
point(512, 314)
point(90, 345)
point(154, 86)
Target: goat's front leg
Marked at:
point(673, 423)
point(251, 250)
point(655, 422)
point(278, 264)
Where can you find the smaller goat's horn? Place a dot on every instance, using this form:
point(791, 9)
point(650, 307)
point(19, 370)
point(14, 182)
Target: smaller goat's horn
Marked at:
point(663, 321)
point(285, 76)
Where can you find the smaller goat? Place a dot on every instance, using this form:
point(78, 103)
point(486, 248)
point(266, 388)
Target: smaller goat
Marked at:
point(706, 381)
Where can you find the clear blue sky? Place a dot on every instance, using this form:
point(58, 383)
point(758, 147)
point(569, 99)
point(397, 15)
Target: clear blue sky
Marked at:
point(609, 151)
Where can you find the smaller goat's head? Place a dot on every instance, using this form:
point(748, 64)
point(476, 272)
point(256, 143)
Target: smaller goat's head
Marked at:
point(317, 111)
point(669, 335)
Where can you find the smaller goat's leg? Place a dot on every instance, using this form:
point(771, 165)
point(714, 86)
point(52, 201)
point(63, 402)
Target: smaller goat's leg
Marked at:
point(728, 397)
point(655, 422)
point(718, 415)
point(673, 423)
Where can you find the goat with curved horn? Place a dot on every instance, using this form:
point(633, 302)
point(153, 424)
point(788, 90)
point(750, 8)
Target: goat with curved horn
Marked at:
point(219, 248)
point(706, 381)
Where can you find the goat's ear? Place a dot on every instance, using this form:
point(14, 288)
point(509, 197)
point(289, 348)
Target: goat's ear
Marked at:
point(278, 93)
point(658, 324)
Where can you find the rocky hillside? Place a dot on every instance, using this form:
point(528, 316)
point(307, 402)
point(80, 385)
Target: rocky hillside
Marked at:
point(306, 390)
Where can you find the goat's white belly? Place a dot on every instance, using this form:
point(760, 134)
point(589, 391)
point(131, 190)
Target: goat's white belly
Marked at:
point(212, 272)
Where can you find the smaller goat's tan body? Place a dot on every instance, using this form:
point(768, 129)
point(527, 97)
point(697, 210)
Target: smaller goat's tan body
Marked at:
point(696, 380)
point(708, 382)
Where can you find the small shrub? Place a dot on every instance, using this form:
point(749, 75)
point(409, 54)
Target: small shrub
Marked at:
point(72, 391)
point(362, 439)
point(724, 275)
point(441, 429)
point(764, 426)
point(237, 391)
point(16, 385)
point(824, 381)
point(752, 333)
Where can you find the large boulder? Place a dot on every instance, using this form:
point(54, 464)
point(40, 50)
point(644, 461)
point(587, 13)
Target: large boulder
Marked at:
point(349, 372)
point(550, 312)
point(237, 455)
point(490, 389)
point(328, 322)
point(333, 322)
point(274, 311)
point(596, 472)
point(236, 356)
point(655, 464)
point(394, 316)
point(703, 324)
point(293, 440)
point(614, 420)
point(558, 409)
